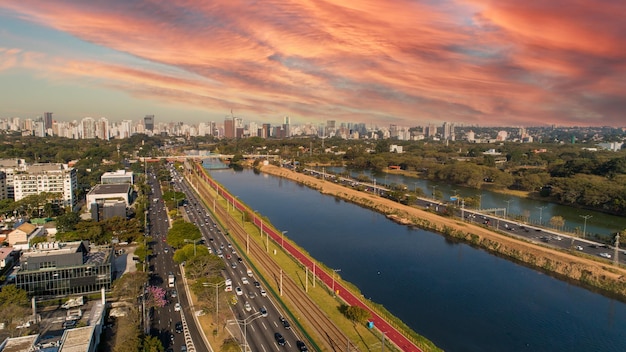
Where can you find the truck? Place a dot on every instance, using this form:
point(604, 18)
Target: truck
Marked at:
point(170, 280)
point(73, 302)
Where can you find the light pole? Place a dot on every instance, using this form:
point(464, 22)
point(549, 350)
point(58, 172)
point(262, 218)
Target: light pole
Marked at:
point(540, 214)
point(261, 221)
point(415, 187)
point(245, 323)
point(334, 271)
point(217, 297)
point(194, 244)
point(585, 223)
point(282, 238)
point(480, 201)
point(507, 208)
point(455, 192)
point(434, 186)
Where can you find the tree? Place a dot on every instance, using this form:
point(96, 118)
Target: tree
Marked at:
point(13, 306)
point(186, 253)
point(130, 285)
point(205, 265)
point(357, 314)
point(180, 231)
point(152, 344)
point(557, 222)
point(155, 297)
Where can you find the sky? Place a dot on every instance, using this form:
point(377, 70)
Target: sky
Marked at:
point(379, 62)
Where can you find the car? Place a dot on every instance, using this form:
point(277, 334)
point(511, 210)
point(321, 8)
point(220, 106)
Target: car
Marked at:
point(177, 307)
point(233, 265)
point(251, 294)
point(285, 323)
point(179, 327)
point(228, 288)
point(69, 324)
point(301, 346)
point(244, 280)
point(247, 307)
point(263, 311)
point(279, 339)
point(166, 250)
point(228, 256)
point(238, 291)
point(257, 284)
point(605, 255)
point(173, 294)
point(580, 248)
point(239, 259)
point(183, 348)
point(263, 293)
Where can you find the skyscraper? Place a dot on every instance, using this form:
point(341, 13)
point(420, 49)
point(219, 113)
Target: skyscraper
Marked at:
point(47, 119)
point(148, 121)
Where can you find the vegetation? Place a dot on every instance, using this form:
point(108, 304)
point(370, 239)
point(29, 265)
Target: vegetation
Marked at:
point(14, 308)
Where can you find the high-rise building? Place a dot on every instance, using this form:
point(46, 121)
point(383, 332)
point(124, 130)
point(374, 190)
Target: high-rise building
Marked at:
point(52, 178)
point(47, 117)
point(148, 122)
point(229, 127)
point(87, 128)
point(286, 126)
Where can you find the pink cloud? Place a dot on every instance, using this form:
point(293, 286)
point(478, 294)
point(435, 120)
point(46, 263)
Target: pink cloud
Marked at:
point(416, 62)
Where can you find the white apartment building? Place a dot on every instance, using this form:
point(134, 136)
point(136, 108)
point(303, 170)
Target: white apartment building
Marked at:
point(53, 178)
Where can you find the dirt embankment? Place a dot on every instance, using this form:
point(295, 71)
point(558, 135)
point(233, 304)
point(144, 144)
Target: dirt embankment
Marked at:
point(589, 272)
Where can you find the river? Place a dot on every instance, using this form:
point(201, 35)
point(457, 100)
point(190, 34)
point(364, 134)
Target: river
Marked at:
point(535, 211)
point(461, 298)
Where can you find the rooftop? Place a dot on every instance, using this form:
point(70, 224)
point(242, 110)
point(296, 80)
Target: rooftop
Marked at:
point(110, 188)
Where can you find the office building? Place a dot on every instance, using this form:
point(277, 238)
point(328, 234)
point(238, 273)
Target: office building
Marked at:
point(61, 269)
point(148, 122)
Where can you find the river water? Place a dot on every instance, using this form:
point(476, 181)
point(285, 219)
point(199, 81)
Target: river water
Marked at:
point(535, 210)
point(461, 298)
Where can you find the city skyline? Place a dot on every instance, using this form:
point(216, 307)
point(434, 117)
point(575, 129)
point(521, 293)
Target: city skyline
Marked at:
point(378, 62)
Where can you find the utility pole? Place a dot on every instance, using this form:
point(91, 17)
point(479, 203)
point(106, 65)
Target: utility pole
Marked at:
point(585, 223)
point(540, 214)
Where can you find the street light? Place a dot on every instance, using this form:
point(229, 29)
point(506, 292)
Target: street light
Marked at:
point(194, 244)
point(245, 323)
point(282, 238)
point(334, 271)
point(507, 208)
point(415, 188)
point(434, 186)
point(585, 223)
point(540, 214)
point(217, 297)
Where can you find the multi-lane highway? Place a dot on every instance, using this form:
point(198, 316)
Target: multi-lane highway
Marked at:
point(164, 321)
point(254, 315)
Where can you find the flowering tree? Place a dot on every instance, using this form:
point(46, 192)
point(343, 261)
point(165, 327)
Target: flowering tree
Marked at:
point(155, 297)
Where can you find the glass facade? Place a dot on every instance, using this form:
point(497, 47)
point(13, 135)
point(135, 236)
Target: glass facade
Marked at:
point(51, 281)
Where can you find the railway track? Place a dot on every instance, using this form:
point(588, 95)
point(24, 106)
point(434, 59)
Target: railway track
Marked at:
point(317, 324)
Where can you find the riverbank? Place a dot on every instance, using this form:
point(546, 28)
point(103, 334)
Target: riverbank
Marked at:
point(588, 272)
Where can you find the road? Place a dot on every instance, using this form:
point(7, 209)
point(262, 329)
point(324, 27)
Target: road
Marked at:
point(258, 329)
point(163, 320)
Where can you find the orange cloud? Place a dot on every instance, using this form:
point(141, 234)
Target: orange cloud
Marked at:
point(415, 62)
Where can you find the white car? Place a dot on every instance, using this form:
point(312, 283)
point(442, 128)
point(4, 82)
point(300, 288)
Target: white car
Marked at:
point(238, 291)
point(247, 307)
point(244, 280)
point(605, 255)
point(580, 248)
point(263, 293)
point(177, 307)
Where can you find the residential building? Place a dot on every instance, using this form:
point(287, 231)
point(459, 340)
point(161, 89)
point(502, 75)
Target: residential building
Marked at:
point(52, 178)
point(21, 236)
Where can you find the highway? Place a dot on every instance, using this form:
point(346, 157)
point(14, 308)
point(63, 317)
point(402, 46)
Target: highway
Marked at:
point(163, 320)
point(259, 328)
